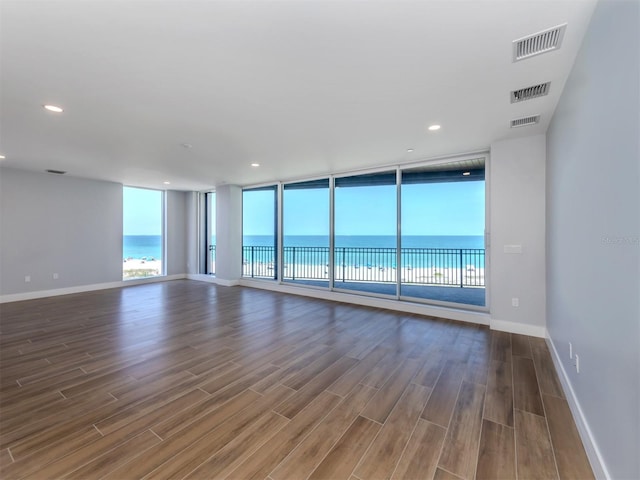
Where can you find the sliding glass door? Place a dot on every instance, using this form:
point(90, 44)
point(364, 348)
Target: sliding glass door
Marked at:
point(365, 252)
point(210, 206)
point(443, 213)
point(414, 233)
point(259, 234)
point(305, 218)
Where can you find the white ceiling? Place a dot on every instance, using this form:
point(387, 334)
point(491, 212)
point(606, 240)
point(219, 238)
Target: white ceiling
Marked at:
point(302, 87)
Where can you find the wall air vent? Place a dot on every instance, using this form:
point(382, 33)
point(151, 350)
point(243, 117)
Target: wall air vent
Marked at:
point(529, 93)
point(541, 42)
point(57, 172)
point(525, 121)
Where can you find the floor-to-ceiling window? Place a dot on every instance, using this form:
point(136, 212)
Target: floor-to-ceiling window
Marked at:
point(259, 234)
point(210, 206)
point(413, 233)
point(305, 219)
point(143, 226)
point(443, 223)
point(365, 251)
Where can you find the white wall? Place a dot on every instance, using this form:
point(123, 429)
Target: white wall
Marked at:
point(73, 227)
point(177, 232)
point(192, 219)
point(593, 233)
point(228, 233)
point(517, 217)
point(57, 224)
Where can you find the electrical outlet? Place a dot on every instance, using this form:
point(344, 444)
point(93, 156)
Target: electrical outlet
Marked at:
point(55, 276)
point(515, 302)
point(27, 278)
point(570, 350)
point(577, 362)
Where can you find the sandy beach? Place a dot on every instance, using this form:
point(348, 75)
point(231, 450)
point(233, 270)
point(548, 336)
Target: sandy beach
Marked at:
point(137, 268)
point(471, 276)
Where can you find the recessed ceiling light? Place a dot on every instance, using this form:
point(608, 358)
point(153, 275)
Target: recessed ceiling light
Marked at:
point(167, 183)
point(255, 164)
point(186, 145)
point(2, 157)
point(53, 108)
point(433, 128)
point(466, 174)
point(409, 150)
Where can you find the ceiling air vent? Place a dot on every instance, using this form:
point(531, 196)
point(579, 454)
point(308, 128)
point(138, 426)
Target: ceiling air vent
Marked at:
point(57, 172)
point(525, 121)
point(529, 93)
point(538, 43)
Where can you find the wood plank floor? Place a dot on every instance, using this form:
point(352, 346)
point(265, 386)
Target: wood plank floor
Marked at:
point(186, 379)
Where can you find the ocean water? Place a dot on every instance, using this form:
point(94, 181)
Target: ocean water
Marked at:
point(142, 246)
point(372, 251)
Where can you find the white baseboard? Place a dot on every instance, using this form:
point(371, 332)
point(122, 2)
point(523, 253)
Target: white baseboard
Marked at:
point(17, 297)
point(598, 464)
point(210, 279)
point(481, 318)
point(520, 328)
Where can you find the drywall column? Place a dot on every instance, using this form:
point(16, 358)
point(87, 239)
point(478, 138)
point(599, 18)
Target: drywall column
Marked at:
point(517, 192)
point(176, 231)
point(593, 223)
point(191, 214)
point(228, 234)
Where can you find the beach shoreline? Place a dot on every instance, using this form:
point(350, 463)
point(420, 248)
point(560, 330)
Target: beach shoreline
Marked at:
point(139, 268)
point(471, 276)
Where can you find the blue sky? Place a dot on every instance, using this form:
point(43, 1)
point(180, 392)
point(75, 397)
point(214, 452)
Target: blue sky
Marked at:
point(258, 213)
point(455, 208)
point(306, 212)
point(142, 211)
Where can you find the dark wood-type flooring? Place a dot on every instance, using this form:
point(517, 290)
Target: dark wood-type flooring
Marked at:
point(186, 379)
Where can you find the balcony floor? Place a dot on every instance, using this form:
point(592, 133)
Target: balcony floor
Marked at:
point(467, 296)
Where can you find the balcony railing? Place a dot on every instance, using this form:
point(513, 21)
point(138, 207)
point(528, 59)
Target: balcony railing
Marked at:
point(461, 267)
point(211, 268)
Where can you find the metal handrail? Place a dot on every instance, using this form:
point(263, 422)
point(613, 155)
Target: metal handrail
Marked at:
point(462, 267)
point(212, 260)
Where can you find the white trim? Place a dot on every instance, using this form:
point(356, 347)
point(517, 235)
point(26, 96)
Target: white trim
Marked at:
point(211, 279)
point(17, 297)
point(521, 328)
point(480, 318)
point(596, 459)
